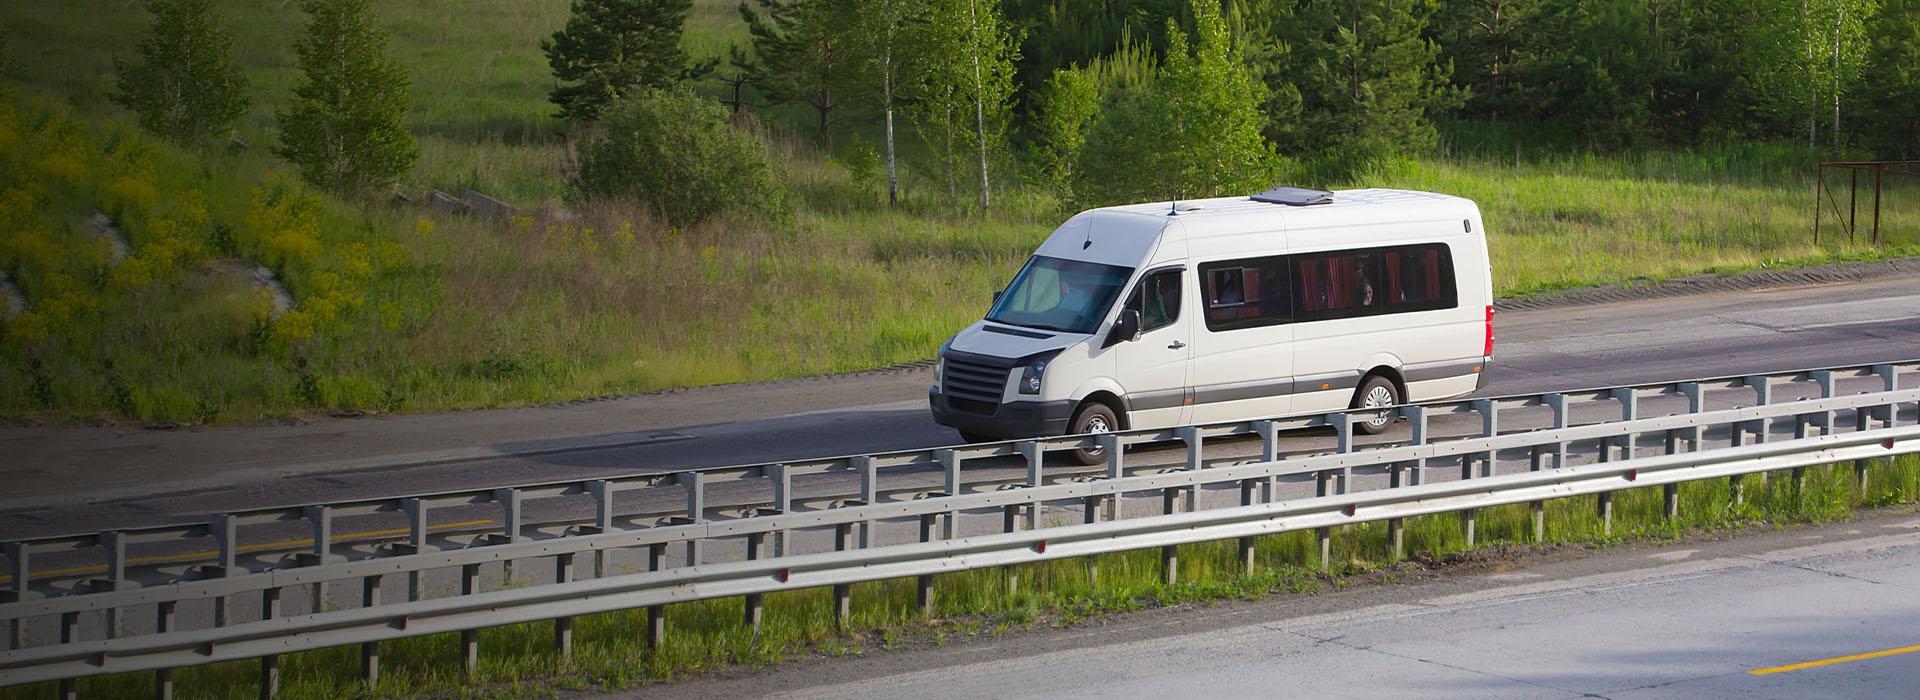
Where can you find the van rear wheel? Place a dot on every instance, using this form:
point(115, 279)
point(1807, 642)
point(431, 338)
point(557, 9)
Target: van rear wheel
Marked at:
point(1378, 393)
point(1093, 418)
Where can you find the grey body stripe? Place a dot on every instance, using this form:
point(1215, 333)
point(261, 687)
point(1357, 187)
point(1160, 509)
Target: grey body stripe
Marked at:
point(1238, 391)
point(1263, 388)
point(1150, 400)
point(1445, 369)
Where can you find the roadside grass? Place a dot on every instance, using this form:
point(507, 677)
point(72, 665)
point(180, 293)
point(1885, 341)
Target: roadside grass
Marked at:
point(402, 309)
point(708, 636)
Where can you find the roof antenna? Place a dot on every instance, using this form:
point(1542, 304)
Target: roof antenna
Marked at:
point(1173, 207)
point(1089, 242)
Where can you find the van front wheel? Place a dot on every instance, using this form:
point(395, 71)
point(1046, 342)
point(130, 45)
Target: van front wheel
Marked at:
point(1093, 418)
point(1375, 393)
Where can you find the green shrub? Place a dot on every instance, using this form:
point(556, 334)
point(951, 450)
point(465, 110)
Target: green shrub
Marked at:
point(677, 152)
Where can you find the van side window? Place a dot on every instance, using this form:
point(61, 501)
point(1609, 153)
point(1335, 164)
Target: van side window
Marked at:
point(1420, 278)
point(1157, 298)
point(1342, 284)
point(1246, 293)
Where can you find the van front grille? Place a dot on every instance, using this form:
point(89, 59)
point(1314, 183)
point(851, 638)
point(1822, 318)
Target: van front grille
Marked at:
point(974, 383)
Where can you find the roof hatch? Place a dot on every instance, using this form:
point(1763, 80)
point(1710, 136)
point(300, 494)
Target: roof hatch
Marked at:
point(1293, 196)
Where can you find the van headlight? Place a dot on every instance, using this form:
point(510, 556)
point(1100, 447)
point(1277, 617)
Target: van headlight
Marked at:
point(1030, 377)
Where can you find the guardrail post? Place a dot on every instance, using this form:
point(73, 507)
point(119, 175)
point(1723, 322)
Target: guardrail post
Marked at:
point(842, 592)
point(1269, 452)
point(509, 500)
point(751, 610)
point(1248, 489)
point(69, 634)
point(1629, 411)
point(1343, 444)
point(163, 623)
point(656, 614)
point(1035, 457)
point(563, 626)
point(1170, 564)
point(470, 639)
point(696, 509)
point(322, 519)
point(370, 651)
point(1670, 498)
point(115, 545)
point(1417, 419)
point(17, 554)
point(1696, 403)
point(1826, 381)
point(269, 664)
point(602, 492)
point(1606, 513)
point(416, 512)
point(782, 478)
point(226, 533)
point(1469, 525)
point(924, 584)
point(1890, 381)
point(1489, 427)
point(1538, 512)
point(869, 493)
point(950, 469)
point(1561, 420)
point(1195, 446)
point(1763, 396)
point(1116, 468)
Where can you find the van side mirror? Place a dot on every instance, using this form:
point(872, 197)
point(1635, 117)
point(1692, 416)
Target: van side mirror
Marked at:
point(996, 296)
point(1125, 329)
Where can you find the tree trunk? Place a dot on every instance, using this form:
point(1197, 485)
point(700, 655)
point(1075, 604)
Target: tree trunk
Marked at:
point(979, 105)
point(886, 90)
point(1837, 21)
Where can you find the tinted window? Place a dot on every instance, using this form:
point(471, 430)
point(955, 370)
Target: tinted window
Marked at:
point(1245, 293)
point(1419, 278)
point(1157, 299)
point(1341, 284)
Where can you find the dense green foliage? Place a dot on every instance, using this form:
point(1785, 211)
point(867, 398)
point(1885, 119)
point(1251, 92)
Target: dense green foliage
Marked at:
point(1194, 131)
point(1665, 139)
point(345, 128)
point(612, 47)
point(676, 151)
point(1891, 89)
point(185, 86)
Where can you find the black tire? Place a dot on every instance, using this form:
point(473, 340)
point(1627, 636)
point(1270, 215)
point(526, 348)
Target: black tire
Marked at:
point(1095, 417)
point(1375, 391)
point(971, 438)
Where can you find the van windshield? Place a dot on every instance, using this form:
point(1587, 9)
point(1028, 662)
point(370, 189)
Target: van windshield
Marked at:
point(1060, 295)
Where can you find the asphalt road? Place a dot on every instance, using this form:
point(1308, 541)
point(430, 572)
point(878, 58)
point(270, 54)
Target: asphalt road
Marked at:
point(1801, 613)
point(66, 480)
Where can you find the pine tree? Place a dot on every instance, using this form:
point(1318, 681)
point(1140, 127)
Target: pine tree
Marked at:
point(346, 126)
point(1889, 121)
point(1481, 39)
point(610, 48)
point(1369, 81)
point(185, 86)
point(800, 55)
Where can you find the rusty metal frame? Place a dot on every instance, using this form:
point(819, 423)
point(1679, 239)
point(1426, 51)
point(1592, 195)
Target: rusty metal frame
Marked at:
point(1849, 222)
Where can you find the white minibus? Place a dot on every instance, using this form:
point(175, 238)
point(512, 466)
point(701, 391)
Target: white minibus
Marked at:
point(1234, 308)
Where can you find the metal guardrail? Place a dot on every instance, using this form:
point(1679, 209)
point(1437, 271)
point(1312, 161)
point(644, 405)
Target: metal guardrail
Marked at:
point(1550, 474)
point(271, 539)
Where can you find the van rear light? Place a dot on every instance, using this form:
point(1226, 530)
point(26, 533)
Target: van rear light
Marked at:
point(1489, 350)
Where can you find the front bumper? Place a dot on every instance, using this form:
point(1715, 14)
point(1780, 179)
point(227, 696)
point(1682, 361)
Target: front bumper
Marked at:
point(1018, 419)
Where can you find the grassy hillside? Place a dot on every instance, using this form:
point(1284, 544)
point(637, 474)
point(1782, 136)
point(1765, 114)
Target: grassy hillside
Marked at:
point(398, 308)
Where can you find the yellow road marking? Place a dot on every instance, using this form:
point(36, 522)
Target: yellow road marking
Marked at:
point(1835, 660)
point(208, 554)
